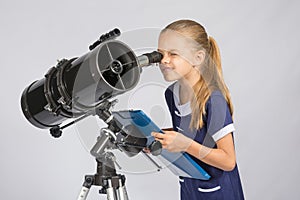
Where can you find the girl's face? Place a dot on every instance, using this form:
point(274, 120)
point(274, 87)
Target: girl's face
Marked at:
point(178, 56)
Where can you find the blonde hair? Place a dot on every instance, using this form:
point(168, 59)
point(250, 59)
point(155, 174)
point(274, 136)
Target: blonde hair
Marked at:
point(211, 75)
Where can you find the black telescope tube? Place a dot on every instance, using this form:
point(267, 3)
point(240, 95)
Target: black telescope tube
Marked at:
point(76, 86)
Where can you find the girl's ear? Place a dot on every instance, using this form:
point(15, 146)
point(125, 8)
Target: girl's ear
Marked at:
point(199, 57)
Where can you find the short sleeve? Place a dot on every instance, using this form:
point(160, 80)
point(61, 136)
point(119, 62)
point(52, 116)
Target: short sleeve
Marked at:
point(219, 119)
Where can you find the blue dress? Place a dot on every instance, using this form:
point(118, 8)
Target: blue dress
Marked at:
point(223, 185)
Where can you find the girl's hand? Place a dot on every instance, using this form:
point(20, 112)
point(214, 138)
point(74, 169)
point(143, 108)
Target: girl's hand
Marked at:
point(173, 141)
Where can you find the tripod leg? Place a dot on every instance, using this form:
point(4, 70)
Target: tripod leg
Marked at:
point(121, 192)
point(110, 191)
point(88, 182)
point(83, 193)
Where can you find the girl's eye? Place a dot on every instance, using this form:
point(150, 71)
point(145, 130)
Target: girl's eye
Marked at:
point(173, 54)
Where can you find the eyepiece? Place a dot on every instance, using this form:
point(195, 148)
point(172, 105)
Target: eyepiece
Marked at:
point(154, 57)
point(150, 58)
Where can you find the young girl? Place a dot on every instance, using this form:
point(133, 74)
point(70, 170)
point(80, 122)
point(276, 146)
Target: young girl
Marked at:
point(201, 110)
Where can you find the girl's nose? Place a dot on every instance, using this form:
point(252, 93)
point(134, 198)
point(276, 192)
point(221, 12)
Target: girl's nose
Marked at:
point(165, 59)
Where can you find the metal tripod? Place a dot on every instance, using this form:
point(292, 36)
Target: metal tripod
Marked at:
point(113, 184)
point(114, 137)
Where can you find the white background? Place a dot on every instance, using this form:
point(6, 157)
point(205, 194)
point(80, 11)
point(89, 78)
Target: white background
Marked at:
point(259, 42)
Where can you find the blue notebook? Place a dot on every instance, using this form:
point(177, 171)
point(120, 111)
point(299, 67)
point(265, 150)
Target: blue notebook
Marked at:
point(180, 164)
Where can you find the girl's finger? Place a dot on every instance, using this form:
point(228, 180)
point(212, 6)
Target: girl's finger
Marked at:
point(154, 134)
point(157, 135)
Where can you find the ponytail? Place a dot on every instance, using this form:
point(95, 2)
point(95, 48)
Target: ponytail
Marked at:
point(211, 79)
point(214, 53)
point(215, 63)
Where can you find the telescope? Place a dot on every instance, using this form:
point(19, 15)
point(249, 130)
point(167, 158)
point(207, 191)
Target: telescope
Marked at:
point(76, 86)
point(82, 86)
